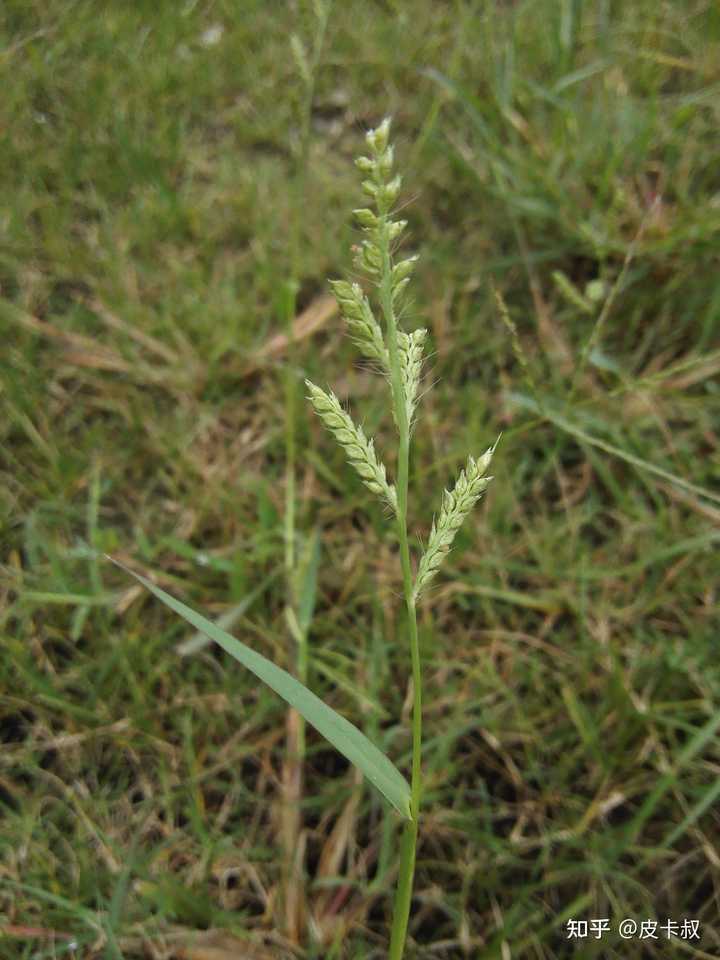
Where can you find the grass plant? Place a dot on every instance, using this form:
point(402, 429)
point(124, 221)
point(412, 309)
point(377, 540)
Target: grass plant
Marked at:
point(400, 357)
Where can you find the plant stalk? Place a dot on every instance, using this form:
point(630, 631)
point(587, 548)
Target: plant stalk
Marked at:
point(403, 895)
point(294, 894)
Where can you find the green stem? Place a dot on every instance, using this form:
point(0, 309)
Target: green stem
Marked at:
point(295, 743)
point(299, 191)
point(403, 896)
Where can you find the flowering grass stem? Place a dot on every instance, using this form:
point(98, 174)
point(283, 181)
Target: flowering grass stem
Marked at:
point(403, 896)
point(399, 356)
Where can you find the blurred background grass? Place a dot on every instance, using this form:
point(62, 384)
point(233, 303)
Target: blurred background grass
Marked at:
point(157, 221)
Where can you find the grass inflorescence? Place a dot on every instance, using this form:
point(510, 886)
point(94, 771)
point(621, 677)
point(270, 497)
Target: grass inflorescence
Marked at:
point(401, 356)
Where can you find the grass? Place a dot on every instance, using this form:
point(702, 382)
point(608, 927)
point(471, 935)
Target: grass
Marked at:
point(569, 756)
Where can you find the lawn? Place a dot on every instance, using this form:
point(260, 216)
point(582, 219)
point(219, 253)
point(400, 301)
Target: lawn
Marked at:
point(177, 185)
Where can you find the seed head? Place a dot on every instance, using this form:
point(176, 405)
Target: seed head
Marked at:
point(359, 450)
point(456, 505)
point(410, 348)
point(364, 328)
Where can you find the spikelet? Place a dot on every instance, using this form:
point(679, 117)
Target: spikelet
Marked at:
point(410, 348)
point(364, 328)
point(456, 505)
point(359, 450)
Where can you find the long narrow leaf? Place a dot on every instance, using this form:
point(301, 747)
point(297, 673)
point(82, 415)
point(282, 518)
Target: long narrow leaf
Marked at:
point(342, 734)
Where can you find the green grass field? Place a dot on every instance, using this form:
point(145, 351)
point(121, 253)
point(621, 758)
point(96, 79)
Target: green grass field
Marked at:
point(176, 189)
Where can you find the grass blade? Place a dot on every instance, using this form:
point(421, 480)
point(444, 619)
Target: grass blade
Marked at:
point(342, 734)
point(307, 581)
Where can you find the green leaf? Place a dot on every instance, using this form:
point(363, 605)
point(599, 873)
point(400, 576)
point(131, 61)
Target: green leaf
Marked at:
point(342, 734)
